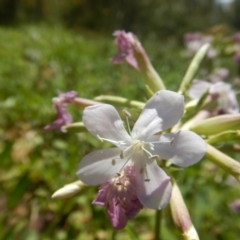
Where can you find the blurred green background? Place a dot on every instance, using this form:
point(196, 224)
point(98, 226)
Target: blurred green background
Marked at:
point(50, 45)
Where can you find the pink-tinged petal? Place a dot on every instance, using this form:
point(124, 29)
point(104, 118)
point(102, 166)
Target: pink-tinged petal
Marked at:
point(233, 106)
point(188, 148)
point(116, 215)
point(125, 51)
point(103, 120)
point(100, 166)
point(153, 186)
point(198, 88)
point(162, 111)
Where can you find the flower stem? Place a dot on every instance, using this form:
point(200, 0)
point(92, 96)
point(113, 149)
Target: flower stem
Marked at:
point(158, 225)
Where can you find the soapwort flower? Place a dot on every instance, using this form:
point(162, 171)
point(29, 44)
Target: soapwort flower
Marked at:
point(60, 105)
point(119, 197)
point(220, 91)
point(141, 147)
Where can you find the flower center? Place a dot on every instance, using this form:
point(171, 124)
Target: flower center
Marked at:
point(137, 146)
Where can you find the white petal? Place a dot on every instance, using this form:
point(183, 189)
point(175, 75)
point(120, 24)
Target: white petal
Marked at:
point(233, 106)
point(100, 166)
point(162, 111)
point(161, 145)
point(104, 121)
point(153, 185)
point(188, 148)
point(198, 88)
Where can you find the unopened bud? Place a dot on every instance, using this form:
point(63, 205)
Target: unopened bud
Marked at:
point(69, 190)
point(193, 68)
point(181, 215)
point(151, 77)
point(217, 124)
point(74, 127)
point(223, 161)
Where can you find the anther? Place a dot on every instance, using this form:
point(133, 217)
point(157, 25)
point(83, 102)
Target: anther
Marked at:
point(147, 180)
point(126, 113)
point(121, 154)
point(118, 174)
point(141, 171)
point(113, 162)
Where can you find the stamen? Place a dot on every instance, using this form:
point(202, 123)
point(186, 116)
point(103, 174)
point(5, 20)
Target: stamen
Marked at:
point(108, 140)
point(99, 138)
point(153, 157)
point(146, 151)
point(127, 114)
point(147, 180)
point(124, 165)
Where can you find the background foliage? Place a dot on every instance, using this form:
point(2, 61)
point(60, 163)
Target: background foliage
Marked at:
point(66, 45)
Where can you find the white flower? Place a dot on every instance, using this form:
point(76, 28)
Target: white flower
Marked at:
point(227, 102)
point(142, 147)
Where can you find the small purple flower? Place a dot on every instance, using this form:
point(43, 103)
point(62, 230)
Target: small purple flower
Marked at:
point(236, 57)
point(235, 206)
point(119, 198)
point(236, 37)
point(62, 116)
point(194, 41)
point(125, 51)
point(222, 92)
point(141, 148)
point(219, 74)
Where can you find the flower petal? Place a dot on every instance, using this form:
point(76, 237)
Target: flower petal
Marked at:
point(187, 147)
point(161, 145)
point(100, 166)
point(233, 106)
point(198, 88)
point(116, 215)
point(103, 120)
point(162, 111)
point(153, 185)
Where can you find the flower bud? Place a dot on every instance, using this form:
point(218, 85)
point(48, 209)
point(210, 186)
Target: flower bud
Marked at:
point(223, 161)
point(217, 124)
point(131, 50)
point(74, 127)
point(181, 215)
point(193, 68)
point(69, 190)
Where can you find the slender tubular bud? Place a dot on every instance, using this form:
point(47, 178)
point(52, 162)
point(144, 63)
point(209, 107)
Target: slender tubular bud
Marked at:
point(69, 190)
point(224, 136)
point(223, 161)
point(193, 68)
point(201, 115)
point(217, 124)
point(74, 127)
point(152, 79)
point(121, 101)
point(181, 215)
point(83, 102)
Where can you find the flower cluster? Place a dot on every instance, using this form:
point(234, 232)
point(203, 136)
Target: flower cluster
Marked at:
point(173, 129)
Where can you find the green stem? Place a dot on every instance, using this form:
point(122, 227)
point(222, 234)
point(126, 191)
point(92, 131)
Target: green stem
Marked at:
point(158, 225)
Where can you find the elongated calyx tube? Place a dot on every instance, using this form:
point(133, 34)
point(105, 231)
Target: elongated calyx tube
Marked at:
point(217, 124)
point(180, 214)
point(69, 190)
point(223, 161)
